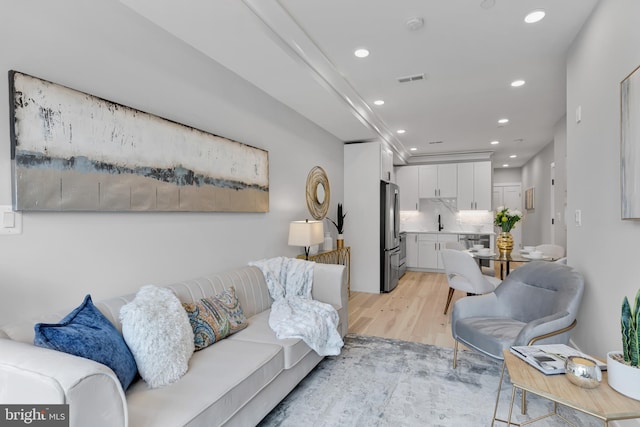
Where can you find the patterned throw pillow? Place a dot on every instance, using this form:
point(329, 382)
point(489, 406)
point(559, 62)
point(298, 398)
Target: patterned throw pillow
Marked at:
point(215, 318)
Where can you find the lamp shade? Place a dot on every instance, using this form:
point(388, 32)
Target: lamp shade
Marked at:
point(305, 233)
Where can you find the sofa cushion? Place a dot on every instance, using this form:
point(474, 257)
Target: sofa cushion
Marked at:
point(215, 318)
point(221, 379)
point(158, 332)
point(85, 332)
point(260, 331)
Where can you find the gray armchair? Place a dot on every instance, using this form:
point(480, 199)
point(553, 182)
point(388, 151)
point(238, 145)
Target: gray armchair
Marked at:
point(537, 302)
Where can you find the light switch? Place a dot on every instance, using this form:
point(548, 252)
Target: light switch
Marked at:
point(578, 218)
point(11, 221)
point(8, 220)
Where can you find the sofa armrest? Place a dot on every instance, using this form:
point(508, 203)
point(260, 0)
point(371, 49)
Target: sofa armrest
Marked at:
point(330, 286)
point(35, 375)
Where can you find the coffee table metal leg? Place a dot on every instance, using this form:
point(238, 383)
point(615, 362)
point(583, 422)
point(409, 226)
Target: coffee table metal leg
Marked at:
point(495, 410)
point(513, 397)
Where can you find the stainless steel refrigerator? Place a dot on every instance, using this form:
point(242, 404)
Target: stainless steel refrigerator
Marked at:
point(389, 236)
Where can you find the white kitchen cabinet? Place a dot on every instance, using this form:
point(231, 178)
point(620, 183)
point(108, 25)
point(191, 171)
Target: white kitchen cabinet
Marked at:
point(412, 250)
point(474, 186)
point(407, 179)
point(438, 180)
point(429, 247)
point(386, 164)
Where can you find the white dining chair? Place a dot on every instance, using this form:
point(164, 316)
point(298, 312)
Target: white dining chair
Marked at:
point(464, 275)
point(457, 246)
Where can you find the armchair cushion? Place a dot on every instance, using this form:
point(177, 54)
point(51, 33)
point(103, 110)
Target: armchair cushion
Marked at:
point(489, 335)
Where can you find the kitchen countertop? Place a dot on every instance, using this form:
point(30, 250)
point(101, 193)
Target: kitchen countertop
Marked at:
point(446, 232)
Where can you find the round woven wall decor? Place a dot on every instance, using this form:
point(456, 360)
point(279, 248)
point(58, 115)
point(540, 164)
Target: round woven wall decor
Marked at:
point(318, 193)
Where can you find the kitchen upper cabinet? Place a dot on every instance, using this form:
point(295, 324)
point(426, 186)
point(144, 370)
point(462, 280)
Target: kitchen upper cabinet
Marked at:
point(474, 185)
point(407, 179)
point(429, 247)
point(438, 180)
point(412, 249)
point(386, 164)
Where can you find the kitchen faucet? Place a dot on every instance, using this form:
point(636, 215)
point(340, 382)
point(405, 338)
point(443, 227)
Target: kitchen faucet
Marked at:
point(440, 225)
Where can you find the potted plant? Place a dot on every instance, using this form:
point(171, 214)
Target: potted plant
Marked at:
point(623, 367)
point(339, 223)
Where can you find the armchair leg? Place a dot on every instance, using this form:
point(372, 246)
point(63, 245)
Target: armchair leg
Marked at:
point(455, 355)
point(523, 406)
point(446, 307)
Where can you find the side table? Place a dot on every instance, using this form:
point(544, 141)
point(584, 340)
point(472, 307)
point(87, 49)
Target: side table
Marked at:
point(340, 256)
point(601, 402)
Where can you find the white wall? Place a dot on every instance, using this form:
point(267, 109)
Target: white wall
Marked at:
point(560, 200)
point(103, 48)
point(604, 248)
point(536, 174)
point(362, 204)
point(507, 175)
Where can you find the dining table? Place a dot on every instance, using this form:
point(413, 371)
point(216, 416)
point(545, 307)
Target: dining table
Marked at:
point(506, 260)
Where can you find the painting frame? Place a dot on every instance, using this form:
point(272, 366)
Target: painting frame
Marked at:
point(529, 199)
point(630, 145)
point(72, 151)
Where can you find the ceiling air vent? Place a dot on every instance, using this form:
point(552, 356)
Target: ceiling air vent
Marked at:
point(413, 78)
point(436, 142)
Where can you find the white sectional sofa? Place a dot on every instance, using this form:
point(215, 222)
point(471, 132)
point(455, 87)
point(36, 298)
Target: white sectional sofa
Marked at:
point(234, 382)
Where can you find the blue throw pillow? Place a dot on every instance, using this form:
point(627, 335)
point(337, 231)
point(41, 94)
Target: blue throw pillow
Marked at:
point(85, 332)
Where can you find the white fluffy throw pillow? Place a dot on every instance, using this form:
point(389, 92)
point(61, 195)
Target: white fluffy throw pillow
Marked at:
point(157, 330)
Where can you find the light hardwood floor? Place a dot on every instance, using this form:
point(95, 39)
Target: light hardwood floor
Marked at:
point(411, 312)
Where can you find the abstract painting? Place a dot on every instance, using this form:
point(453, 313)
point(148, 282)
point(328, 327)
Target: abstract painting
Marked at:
point(72, 151)
point(528, 199)
point(630, 145)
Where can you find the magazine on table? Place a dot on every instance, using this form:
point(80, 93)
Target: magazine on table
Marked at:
point(550, 358)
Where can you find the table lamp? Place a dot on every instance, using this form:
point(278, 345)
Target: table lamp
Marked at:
point(306, 233)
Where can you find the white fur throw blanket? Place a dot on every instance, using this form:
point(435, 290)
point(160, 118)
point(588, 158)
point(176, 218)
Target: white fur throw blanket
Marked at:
point(294, 314)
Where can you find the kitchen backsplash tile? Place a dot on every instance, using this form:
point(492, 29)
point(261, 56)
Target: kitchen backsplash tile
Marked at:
point(426, 218)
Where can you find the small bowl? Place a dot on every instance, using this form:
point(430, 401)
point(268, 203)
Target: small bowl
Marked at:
point(536, 255)
point(529, 248)
point(583, 372)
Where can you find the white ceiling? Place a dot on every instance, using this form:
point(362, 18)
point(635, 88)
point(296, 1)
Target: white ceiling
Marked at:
point(301, 53)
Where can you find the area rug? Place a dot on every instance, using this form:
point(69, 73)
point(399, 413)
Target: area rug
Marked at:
point(384, 382)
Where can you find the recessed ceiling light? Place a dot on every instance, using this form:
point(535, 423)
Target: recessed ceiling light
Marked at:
point(361, 53)
point(513, 156)
point(503, 121)
point(535, 16)
point(506, 165)
point(517, 83)
point(400, 131)
point(378, 102)
point(495, 142)
point(413, 149)
point(414, 24)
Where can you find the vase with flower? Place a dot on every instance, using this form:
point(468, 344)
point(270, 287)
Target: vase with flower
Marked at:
point(506, 220)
